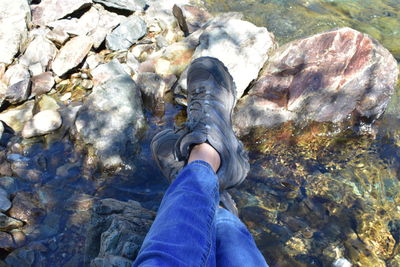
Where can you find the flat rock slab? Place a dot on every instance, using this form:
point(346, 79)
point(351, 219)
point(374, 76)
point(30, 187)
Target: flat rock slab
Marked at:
point(51, 10)
point(326, 78)
point(14, 16)
point(71, 54)
point(112, 117)
point(127, 33)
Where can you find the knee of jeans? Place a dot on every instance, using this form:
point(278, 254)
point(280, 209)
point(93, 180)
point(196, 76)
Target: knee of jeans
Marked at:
point(225, 217)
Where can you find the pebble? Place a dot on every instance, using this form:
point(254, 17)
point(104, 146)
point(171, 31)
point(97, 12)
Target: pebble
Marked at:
point(5, 203)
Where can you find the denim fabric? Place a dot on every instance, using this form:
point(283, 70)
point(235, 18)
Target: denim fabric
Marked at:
point(184, 231)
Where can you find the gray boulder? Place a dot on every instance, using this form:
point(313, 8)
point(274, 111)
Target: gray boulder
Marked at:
point(14, 17)
point(127, 222)
point(130, 5)
point(112, 117)
point(127, 33)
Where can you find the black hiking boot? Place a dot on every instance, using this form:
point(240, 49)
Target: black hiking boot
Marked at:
point(211, 99)
point(162, 148)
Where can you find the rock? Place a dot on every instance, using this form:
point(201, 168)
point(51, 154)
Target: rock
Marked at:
point(51, 10)
point(42, 123)
point(105, 72)
point(240, 45)
point(18, 92)
point(19, 237)
point(16, 117)
point(132, 5)
point(325, 77)
point(48, 103)
point(153, 88)
point(40, 51)
point(71, 54)
point(6, 241)
point(16, 73)
point(24, 256)
point(112, 117)
point(42, 84)
point(5, 203)
point(26, 207)
point(126, 222)
point(196, 17)
point(126, 34)
point(7, 223)
point(10, 184)
point(58, 36)
point(14, 17)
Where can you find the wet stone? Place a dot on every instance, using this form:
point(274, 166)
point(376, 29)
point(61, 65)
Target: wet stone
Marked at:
point(8, 223)
point(6, 241)
point(26, 207)
point(5, 203)
point(24, 256)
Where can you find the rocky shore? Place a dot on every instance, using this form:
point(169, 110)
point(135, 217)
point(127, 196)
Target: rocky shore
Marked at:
point(84, 84)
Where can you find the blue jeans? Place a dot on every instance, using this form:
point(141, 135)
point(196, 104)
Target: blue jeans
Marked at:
point(191, 230)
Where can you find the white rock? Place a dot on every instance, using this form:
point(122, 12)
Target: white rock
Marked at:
point(38, 53)
point(42, 123)
point(341, 262)
point(72, 53)
point(16, 73)
point(240, 45)
point(14, 17)
point(51, 10)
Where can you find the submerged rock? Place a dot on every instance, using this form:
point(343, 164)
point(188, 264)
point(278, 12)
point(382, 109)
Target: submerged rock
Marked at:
point(8, 223)
point(71, 54)
point(14, 17)
point(127, 222)
point(112, 117)
point(42, 123)
point(326, 78)
point(27, 208)
point(126, 34)
point(5, 203)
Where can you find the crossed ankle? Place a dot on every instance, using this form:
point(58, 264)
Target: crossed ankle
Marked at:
point(207, 153)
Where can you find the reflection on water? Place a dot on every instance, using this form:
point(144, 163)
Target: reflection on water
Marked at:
point(313, 195)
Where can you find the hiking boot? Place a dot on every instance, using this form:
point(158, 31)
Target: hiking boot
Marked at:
point(162, 149)
point(211, 99)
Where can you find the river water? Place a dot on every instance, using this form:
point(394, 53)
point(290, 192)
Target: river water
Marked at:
point(313, 195)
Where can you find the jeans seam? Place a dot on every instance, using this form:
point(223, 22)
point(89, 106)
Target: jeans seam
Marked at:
point(204, 164)
point(211, 217)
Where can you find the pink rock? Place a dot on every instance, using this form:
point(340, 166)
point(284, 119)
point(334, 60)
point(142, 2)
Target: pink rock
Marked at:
point(328, 77)
point(42, 83)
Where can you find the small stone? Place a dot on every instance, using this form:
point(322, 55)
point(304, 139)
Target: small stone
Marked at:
point(130, 5)
point(9, 184)
point(153, 88)
point(6, 241)
point(19, 237)
point(48, 103)
point(42, 84)
point(42, 123)
point(5, 203)
point(66, 96)
point(18, 92)
point(16, 73)
point(26, 207)
point(16, 117)
point(24, 256)
point(126, 34)
point(58, 36)
point(71, 54)
point(38, 54)
point(8, 223)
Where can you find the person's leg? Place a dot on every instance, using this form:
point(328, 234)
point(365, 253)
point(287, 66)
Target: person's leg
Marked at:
point(183, 233)
point(235, 247)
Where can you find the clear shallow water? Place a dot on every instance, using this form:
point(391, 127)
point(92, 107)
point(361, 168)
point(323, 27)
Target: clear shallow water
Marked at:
point(313, 196)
